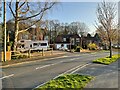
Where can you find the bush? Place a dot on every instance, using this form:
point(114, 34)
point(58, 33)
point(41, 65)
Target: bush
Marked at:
point(19, 57)
point(92, 46)
point(78, 48)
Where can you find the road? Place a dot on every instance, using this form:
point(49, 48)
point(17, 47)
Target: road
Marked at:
point(30, 75)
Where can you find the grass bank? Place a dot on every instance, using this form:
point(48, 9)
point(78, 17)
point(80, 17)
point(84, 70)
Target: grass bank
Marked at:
point(67, 81)
point(107, 60)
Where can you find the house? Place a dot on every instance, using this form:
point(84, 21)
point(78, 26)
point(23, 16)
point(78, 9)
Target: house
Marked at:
point(70, 40)
point(91, 39)
point(33, 34)
point(67, 41)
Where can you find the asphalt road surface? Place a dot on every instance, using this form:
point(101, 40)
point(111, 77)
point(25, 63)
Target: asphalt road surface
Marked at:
point(30, 75)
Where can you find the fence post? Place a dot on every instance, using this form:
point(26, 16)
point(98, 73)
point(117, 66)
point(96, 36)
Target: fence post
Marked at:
point(42, 52)
point(51, 51)
point(29, 53)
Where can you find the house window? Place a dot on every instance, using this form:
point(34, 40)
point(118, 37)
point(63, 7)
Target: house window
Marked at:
point(35, 44)
point(64, 39)
point(77, 40)
point(30, 45)
point(43, 44)
point(23, 46)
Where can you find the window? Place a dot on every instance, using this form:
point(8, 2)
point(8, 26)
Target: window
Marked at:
point(35, 44)
point(43, 44)
point(30, 45)
point(77, 40)
point(23, 46)
point(64, 39)
point(22, 41)
point(72, 41)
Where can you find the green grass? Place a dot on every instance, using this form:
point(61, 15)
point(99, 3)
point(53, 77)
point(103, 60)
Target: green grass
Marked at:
point(67, 82)
point(107, 60)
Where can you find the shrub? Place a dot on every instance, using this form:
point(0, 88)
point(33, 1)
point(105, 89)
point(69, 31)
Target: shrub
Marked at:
point(78, 48)
point(92, 46)
point(19, 57)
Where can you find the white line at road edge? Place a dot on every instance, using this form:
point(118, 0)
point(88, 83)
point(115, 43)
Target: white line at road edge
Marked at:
point(6, 76)
point(75, 69)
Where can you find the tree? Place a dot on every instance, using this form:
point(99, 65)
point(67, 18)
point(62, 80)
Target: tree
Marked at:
point(26, 11)
point(106, 12)
point(79, 28)
point(0, 8)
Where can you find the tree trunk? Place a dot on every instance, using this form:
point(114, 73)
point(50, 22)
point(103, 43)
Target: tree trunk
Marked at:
point(4, 30)
point(81, 42)
point(110, 49)
point(16, 27)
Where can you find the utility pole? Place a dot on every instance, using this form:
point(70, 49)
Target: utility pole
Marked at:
point(4, 17)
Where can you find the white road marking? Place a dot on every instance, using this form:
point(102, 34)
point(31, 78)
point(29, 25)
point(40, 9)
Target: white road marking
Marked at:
point(6, 76)
point(75, 69)
point(72, 59)
point(43, 66)
point(80, 68)
point(55, 63)
point(48, 65)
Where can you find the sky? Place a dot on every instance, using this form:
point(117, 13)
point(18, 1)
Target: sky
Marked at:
point(67, 12)
point(75, 11)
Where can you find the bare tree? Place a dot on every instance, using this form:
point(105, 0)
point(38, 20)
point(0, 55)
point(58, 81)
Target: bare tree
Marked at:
point(1, 31)
point(106, 12)
point(28, 10)
point(0, 8)
point(79, 28)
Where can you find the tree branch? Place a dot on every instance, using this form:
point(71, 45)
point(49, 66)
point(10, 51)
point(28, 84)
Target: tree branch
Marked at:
point(32, 24)
point(24, 12)
point(42, 10)
point(10, 7)
point(22, 5)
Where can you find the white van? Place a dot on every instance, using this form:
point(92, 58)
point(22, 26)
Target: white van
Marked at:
point(25, 45)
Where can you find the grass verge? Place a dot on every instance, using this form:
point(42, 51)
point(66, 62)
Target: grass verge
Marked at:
point(67, 81)
point(107, 60)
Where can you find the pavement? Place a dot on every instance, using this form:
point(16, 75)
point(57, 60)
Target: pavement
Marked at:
point(31, 75)
point(106, 76)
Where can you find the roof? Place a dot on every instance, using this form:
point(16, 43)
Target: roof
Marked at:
point(69, 35)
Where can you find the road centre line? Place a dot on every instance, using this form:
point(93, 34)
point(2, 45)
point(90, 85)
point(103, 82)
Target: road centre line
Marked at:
point(48, 65)
point(75, 69)
point(55, 63)
point(6, 76)
point(43, 66)
point(72, 59)
point(80, 68)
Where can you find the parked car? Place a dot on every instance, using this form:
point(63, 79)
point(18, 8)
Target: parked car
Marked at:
point(117, 46)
